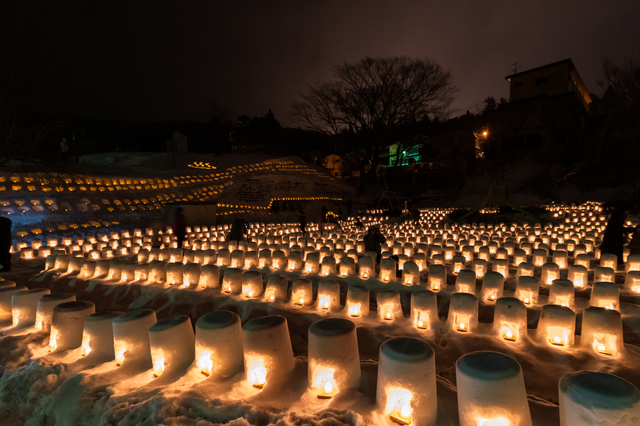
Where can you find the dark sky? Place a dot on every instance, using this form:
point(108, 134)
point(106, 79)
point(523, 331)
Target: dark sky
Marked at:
point(157, 60)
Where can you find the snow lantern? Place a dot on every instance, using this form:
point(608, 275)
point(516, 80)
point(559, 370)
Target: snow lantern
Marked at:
point(97, 336)
point(334, 360)
point(527, 290)
point(67, 323)
point(421, 260)
point(366, 267)
point(437, 277)
point(45, 308)
point(632, 263)
point(525, 270)
point(127, 273)
point(276, 288)
point(328, 266)
point(479, 266)
point(223, 257)
point(632, 281)
point(602, 274)
point(312, 263)
point(519, 257)
point(24, 306)
point(237, 259)
point(491, 391)
point(294, 262)
point(6, 293)
point(252, 284)
point(278, 259)
point(424, 309)
point(347, 266)
point(157, 271)
point(602, 331)
point(457, 263)
point(302, 292)
point(191, 274)
point(583, 260)
point(492, 286)
point(175, 272)
point(557, 325)
point(131, 338)
point(549, 273)
point(357, 304)
point(328, 295)
point(115, 272)
point(410, 274)
point(389, 307)
point(539, 257)
point(560, 258)
point(219, 344)
point(510, 319)
point(387, 270)
point(608, 260)
point(232, 281)
point(562, 293)
point(62, 262)
point(209, 276)
point(406, 385)
point(578, 275)
point(463, 312)
point(268, 355)
point(466, 281)
point(594, 398)
point(605, 295)
point(172, 344)
point(264, 258)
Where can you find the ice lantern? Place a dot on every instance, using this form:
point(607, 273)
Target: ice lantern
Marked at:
point(550, 272)
point(510, 319)
point(366, 267)
point(268, 355)
point(491, 391)
point(424, 309)
point(387, 270)
point(334, 360)
point(605, 295)
point(232, 281)
point(437, 279)
point(357, 304)
point(209, 277)
point(527, 289)
point(632, 281)
point(562, 293)
point(276, 288)
point(24, 305)
point(97, 336)
point(492, 286)
point(406, 386)
point(45, 308)
point(593, 398)
point(328, 296)
point(410, 274)
point(219, 344)
point(252, 284)
point(389, 307)
point(67, 323)
point(302, 292)
point(463, 312)
point(602, 331)
point(131, 338)
point(347, 266)
point(557, 326)
point(578, 275)
point(601, 273)
point(172, 345)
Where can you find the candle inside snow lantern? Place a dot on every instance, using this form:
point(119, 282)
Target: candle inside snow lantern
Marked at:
point(562, 293)
point(605, 295)
point(492, 286)
point(406, 385)
point(560, 258)
point(175, 273)
point(250, 259)
point(519, 256)
point(602, 274)
point(131, 338)
point(578, 275)
point(609, 260)
point(602, 331)
point(347, 266)
point(223, 257)
point(510, 319)
point(172, 345)
point(357, 304)
point(45, 308)
point(466, 281)
point(328, 295)
point(594, 398)
point(557, 325)
point(583, 260)
point(334, 360)
point(437, 278)
point(632, 263)
point(312, 263)
point(209, 277)
point(491, 391)
point(463, 312)
point(302, 292)
point(410, 274)
point(366, 267)
point(67, 323)
point(479, 266)
point(549, 272)
point(527, 290)
point(525, 269)
point(190, 274)
point(219, 344)
point(278, 259)
point(328, 266)
point(97, 336)
point(232, 281)
point(457, 263)
point(389, 307)
point(387, 270)
point(252, 284)
point(501, 266)
point(424, 309)
point(268, 355)
point(24, 305)
point(632, 281)
point(276, 288)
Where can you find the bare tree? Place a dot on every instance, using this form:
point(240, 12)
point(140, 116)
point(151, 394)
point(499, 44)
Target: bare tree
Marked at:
point(369, 98)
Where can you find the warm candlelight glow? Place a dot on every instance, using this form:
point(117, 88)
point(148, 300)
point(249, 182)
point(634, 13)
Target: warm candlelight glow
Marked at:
point(324, 383)
point(422, 320)
point(354, 310)
point(508, 331)
point(324, 301)
point(399, 406)
point(205, 362)
point(86, 349)
point(120, 350)
point(52, 340)
point(558, 336)
point(158, 366)
point(257, 375)
point(500, 421)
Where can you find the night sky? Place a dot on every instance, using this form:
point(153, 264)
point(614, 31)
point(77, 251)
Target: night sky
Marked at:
point(157, 60)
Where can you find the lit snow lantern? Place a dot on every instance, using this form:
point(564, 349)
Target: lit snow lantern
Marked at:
point(560, 258)
point(268, 355)
point(24, 306)
point(550, 272)
point(6, 293)
point(527, 290)
point(602, 274)
point(143, 256)
point(45, 308)
point(557, 325)
point(437, 277)
point(237, 259)
point(252, 284)
point(479, 266)
point(278, 259)
point(484, 253)
point(539, 257)
point(406, 385)
point(312, 263)
point(357, 304)
point(223, 257)
point(157, 271)
point(131, 338)
point(466, 281)
point(219, 344)
point(525, 269)
point(328, 266)
point(605, 295)
point(632, 263)
point(62, 262)
point(276, 288)
point(463, 312)
point(334, 360)
point(389, 307)
point(632, 281)
point(347, 266)
point(232, 281)
point(209, 276)
point(190, 274)
point(87, 270)
point(491, 391)
point(602, 331)
point(424, 309)
point(510, 319)
point(366, 267)
point(97, 336)
point(302, 292)
point(519, 256)
point(387, 270)
point(67, 323)
point(492, 286)
point(457, 263)
point(578, 275)
point(562, 293)
point(501, 266)
point(26, 254)
point(608, 260)
point(583, 260)
point(264, 258)
point(410, 274)
point(594, 398)
point(175, 272)
point(328, 295)
point(172, 345)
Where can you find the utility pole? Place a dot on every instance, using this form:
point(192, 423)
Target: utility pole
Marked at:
point(515, 66)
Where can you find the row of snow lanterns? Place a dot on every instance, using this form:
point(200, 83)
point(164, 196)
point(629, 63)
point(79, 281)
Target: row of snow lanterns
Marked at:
point(490, 385)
